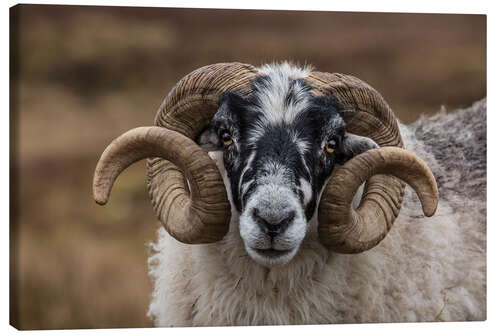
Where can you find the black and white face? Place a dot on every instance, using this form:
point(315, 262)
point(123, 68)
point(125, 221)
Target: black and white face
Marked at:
point(279, 145)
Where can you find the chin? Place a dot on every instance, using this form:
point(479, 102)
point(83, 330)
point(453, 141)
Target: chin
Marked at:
point(271, 258)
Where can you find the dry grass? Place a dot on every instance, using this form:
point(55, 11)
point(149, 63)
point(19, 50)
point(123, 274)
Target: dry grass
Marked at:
point(83, 75)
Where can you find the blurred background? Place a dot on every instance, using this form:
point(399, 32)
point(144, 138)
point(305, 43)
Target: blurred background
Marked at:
point(80, 76)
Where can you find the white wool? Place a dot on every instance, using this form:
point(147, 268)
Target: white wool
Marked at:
point(272, 99)
point(288, 69)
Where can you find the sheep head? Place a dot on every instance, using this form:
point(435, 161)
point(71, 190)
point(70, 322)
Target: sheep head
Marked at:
point(270, 139)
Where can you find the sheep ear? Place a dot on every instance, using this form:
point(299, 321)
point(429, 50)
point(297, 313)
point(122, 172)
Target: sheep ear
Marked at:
point(353, 145)
point(209, 140)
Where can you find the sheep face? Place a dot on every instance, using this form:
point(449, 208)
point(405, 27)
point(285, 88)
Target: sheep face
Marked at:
point(280, 145)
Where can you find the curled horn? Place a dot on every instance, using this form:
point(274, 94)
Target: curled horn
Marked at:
point(191, 192)
point(341, 228)
point(185, 187)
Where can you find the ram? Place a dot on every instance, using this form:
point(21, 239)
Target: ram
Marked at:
point(269, 226)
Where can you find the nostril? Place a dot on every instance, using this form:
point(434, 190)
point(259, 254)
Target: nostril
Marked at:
point(288, 218)
point(261, 222)
point(255, 213)
point(273, 225)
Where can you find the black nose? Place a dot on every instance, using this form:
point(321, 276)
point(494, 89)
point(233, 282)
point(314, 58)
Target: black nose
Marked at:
point(273, 224)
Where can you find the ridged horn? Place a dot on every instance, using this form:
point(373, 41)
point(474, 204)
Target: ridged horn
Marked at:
point(186, 190)
point(352, 231)
point(366, 113)
point(201, 207)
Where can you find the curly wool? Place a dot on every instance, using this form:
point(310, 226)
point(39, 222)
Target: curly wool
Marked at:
point(426, 269)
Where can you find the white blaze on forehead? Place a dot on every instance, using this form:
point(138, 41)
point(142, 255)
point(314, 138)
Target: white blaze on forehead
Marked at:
point(272, 96)
point(306, 189)
point(290, 70)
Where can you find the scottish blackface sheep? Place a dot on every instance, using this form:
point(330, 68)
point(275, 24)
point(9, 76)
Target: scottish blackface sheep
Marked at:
point(273, 229)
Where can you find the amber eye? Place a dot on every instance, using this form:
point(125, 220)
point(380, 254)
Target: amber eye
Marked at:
point(227, 139)
point(330, 146)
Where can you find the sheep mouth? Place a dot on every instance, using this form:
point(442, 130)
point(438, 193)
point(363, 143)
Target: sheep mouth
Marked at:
point(272, 253)
point(271, 257)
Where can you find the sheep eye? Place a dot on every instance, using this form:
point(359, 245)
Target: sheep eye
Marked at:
point(330, 146)
point(226, 138)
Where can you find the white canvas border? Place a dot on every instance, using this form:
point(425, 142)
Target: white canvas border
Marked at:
point(469, 7)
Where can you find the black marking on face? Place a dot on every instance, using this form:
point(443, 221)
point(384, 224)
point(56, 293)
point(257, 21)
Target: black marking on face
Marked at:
point(278, 151)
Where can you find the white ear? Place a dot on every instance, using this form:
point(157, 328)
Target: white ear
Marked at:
point(209, 140)
point(355, 144)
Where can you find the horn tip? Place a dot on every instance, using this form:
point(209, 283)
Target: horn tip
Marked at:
point(101, 202)
point(429, 210)
point(100, 199)
point(432, 204)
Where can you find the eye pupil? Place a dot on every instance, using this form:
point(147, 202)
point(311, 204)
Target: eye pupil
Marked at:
point(330, 146)
point(226, 138)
